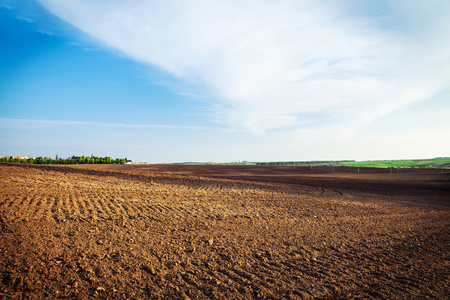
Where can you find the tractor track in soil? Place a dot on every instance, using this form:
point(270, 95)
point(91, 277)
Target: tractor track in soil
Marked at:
point(193, 232)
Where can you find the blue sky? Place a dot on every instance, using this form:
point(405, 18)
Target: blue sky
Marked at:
point(172, 81)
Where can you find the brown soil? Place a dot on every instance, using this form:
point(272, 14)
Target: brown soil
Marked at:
point(225, 232)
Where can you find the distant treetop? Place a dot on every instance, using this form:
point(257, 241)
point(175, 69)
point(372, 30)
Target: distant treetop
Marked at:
point(60, 161)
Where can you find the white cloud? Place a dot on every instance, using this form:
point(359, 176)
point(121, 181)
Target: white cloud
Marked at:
point(268, 64)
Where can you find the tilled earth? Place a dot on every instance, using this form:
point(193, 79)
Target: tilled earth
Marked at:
point(223, 232)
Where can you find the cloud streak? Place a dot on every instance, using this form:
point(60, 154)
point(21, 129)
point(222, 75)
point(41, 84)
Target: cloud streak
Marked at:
point(25, 123)
point(266, 65)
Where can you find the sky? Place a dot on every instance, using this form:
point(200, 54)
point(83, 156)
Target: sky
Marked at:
point(165, 81)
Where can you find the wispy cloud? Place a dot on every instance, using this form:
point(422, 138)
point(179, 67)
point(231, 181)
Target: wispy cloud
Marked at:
point(22, 18)
point(267, 64)
point(25, 123)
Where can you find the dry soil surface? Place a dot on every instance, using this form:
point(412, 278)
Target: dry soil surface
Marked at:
point(223, 232)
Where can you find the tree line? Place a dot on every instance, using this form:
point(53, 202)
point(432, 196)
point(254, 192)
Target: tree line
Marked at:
point(70, 160)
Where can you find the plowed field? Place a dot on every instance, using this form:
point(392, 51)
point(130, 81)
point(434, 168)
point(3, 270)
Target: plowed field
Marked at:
point(223, 232)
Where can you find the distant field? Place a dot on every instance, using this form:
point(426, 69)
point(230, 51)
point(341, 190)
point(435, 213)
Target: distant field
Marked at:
point(437, 163)
point(415, 163)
